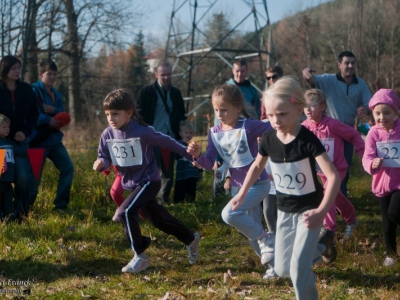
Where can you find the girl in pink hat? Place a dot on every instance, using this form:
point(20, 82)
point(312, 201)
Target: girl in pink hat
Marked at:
point(382, 160)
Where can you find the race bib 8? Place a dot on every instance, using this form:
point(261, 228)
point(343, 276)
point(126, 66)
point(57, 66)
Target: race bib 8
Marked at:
point(390, 152)
point(125, 152)
point(293, 178)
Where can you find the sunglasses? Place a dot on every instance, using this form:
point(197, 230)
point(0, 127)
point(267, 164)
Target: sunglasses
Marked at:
point(275, 76)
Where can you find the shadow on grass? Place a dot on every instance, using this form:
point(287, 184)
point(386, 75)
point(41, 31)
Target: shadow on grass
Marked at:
point(48, 272)
point(356, 278)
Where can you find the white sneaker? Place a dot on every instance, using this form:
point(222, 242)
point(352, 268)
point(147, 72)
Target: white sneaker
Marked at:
point(193, 249)
point(136, 265)
point(267, 245)
point(270, 274)
point(115, 217)
point(350, 228)
point(388, 262)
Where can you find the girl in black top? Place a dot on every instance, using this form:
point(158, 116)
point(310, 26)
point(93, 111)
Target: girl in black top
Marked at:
point(292, 151)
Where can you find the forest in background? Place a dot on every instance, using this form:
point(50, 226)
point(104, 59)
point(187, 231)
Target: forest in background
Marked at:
point(98, 47)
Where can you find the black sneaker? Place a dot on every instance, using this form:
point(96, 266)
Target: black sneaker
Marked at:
point(326, 237)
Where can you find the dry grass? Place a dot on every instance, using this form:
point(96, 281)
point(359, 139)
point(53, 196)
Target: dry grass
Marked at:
point(80, 254)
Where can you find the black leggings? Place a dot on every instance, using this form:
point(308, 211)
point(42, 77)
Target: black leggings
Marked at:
point(390, 211)
point(144, 197)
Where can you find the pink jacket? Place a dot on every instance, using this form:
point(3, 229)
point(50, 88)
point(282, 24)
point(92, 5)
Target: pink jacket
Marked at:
point(384, 180)
point(332, 128)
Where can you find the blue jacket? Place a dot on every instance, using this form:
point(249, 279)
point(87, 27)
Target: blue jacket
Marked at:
point(42, 96)
point(249, 93)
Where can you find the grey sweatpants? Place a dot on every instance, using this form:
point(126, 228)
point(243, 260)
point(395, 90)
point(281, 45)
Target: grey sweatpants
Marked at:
point(296, 250)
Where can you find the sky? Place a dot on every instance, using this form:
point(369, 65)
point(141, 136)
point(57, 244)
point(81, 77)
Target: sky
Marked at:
point(157, 13)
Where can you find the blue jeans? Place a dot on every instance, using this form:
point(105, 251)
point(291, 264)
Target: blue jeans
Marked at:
point(248, 217)
point(348, 155)
point(24, 178)
point(61, 160)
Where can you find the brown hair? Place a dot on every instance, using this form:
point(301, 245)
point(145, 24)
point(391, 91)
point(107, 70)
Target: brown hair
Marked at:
point(6, 63)
point(123, 99)
point(240, 62)
point(47, 65)
point(275, 69)
point(231, 94)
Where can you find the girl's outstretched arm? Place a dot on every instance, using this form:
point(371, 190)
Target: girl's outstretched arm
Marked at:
point(193, 149)
point(252, 175)
point(314, 217)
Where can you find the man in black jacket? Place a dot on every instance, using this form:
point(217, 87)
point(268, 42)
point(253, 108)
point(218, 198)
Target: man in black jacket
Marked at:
point(161, 106)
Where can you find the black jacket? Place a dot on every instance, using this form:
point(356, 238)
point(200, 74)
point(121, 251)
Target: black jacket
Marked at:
point(23, 113)
point(147, 100)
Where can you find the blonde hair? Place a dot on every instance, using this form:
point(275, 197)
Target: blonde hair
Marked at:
point(286, 89)
point(316, 96)
point(4, 119)
point(232, 95)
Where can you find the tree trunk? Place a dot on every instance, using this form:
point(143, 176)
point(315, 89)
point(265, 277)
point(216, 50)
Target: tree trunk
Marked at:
point(74, 58)
point(28, 31)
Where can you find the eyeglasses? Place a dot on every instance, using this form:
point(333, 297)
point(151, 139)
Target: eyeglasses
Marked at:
point(275, 76)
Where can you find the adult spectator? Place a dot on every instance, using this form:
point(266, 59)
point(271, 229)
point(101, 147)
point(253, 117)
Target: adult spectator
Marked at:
point(249, 92)
point(272, 74)
point(17, 102)
point(47, 133)
point(347, 97)
point(161, 106)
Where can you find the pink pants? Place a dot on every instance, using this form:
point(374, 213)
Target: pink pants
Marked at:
point(116, 191)
point(342, 204)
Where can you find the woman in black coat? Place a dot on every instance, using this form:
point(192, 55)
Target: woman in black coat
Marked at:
point(17, 102)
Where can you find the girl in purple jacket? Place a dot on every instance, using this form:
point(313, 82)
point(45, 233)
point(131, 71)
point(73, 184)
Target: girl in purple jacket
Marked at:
point(128, 144)
point(331, 133)
point(381, 160)
point(235, 140)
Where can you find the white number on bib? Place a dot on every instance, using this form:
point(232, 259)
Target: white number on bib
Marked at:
point(390, 152)
point(125, 153)
point(293, 178)
point(233, 147)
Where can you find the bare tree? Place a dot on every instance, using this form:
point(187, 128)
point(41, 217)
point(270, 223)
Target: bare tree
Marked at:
point(12, 15)
point(87, 23)
point(29, 45)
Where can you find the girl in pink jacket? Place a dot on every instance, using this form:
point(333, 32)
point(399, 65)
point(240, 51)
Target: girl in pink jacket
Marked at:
point(331, 133)
point(381, 160)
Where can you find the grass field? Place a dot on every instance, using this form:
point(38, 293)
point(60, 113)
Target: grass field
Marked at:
point(79, 254)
